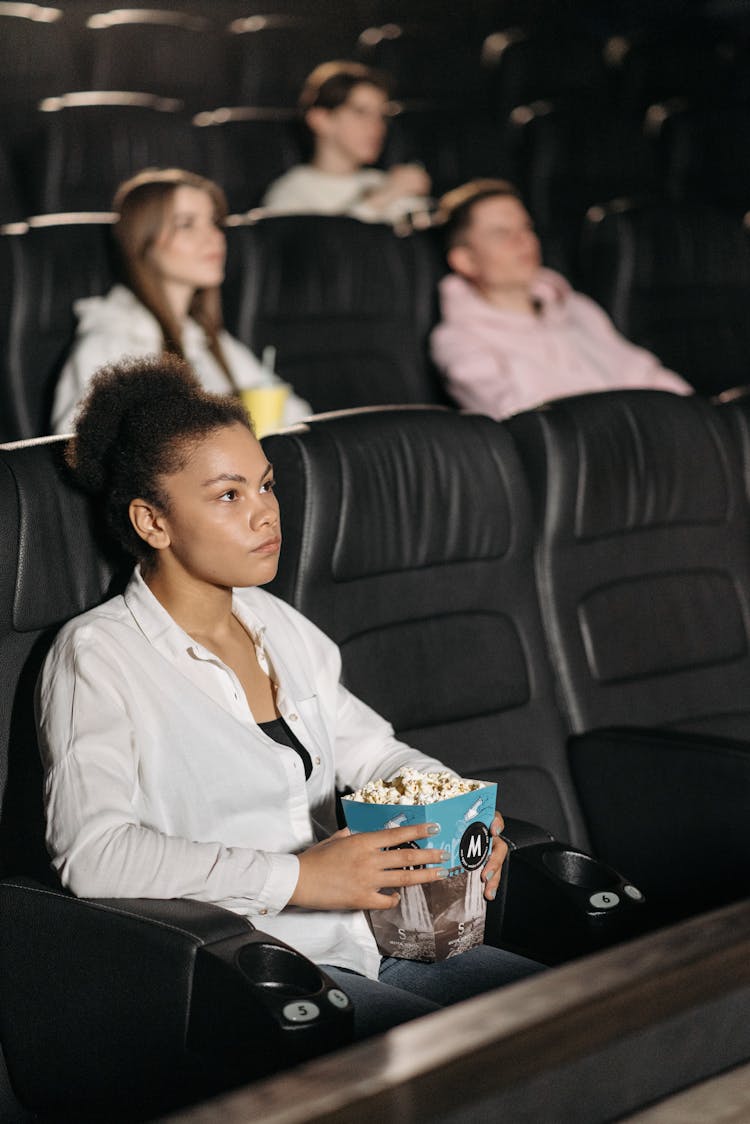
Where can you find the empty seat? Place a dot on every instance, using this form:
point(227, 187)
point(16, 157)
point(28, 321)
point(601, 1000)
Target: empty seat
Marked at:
point(571, 156)
point(247, 147)
point(642, 560)
point(675, 279)
point(453, 145)
point(690, 59)
point(347, 305)
point(408, 540)
point(427, 60)
point(45, 267)
point(85, 144)
point(271, 55)
point(36, 60)
point(703, 153)
point(522, 67)
point(158, 51)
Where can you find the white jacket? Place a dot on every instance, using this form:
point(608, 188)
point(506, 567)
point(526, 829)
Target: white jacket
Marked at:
point(119, 325)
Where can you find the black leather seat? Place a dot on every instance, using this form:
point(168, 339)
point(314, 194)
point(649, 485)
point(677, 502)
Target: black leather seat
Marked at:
point(348, 306)
point(246, 147)
point(271, 55)
point(36, 60)
point(694, 59)
point(522, 66)
point(85, 144)
point(642, 559)
point(675, 279)
point(570, 156)
point(430, 60)
point(168, 1000)
point(46, 267)
point(702, 152)
point(408, 540)
point(172, 53)
point(643, 571)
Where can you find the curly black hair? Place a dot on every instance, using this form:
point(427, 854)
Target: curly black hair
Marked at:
point(139, 422)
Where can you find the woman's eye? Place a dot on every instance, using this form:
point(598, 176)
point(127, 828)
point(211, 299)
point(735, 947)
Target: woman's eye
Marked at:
point(230, 494)
point(268, 485)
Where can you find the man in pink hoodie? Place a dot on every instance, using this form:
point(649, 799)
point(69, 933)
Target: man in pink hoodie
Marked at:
point(513, 334)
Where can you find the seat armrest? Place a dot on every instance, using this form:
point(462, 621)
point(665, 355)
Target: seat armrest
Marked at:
point(670, 807)
point(557, 902)
point(522, 833)
point(160, 1002)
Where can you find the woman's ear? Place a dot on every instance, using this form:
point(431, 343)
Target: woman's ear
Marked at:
point(148, 522)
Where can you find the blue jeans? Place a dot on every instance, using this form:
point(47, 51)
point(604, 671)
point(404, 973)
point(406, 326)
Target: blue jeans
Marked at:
point(406, 989)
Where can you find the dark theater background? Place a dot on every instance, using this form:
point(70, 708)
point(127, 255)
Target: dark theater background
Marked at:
point(585, 565)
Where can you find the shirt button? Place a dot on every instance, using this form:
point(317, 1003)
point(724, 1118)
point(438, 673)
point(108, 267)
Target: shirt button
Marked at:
point(263, 912)
point(292, 717)
point(317, 760)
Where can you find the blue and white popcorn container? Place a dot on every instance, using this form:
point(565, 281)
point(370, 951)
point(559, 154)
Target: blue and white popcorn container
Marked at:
point(436, 920)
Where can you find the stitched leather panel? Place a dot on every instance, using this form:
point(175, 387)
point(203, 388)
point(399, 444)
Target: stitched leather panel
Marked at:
point(403, 479)
point(632, 469)
point(469, 664)
point(661, 623)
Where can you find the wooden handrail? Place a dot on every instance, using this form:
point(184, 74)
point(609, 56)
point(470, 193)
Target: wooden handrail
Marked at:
point(490, 1043)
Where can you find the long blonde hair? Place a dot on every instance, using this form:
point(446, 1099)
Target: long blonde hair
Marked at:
point(143, 204)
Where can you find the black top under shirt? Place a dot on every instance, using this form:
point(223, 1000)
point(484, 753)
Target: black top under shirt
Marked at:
point(281, 733)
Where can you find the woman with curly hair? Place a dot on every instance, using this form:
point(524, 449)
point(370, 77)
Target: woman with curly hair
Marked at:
point(195, 728)
point(172, 251)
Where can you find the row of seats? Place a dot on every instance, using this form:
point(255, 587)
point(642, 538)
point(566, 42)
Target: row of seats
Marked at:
point(263, 59)
point(81, 146)
point(349, 306)
point(565, 157)
point(558, 604)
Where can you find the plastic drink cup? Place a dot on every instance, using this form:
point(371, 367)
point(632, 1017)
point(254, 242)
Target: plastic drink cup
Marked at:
point(265, 406)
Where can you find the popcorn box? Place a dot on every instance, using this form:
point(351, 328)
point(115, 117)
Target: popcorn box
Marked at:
point(440, 919)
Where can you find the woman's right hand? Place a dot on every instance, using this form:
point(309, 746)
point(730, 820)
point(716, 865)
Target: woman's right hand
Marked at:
point(348, 871)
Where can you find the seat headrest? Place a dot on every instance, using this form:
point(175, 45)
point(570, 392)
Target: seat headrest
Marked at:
point(412, 488)
point(630, 460)
point(55, 561)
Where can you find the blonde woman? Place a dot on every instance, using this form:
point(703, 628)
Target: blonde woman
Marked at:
point(172, 252)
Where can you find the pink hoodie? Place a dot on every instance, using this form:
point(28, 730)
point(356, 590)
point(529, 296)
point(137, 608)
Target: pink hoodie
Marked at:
point(499, 362)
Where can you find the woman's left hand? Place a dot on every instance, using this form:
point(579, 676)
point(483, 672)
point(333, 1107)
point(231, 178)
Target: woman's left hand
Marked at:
point(498, 853)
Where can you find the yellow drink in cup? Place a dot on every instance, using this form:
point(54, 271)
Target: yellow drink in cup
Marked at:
point(265, 405)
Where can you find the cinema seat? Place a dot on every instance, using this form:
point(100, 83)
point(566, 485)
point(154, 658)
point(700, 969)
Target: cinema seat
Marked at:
point(246, 147)
point(85, 144)
point(643, 572)
point(408, 540)
point(164, 51)
point(47, 264)
point(347, 305)
point(676, 280)
point(111, 1009)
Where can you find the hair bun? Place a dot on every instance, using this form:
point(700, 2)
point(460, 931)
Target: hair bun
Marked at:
point(121, 395)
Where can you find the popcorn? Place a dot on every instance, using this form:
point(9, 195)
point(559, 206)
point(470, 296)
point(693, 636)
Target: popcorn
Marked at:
point(409, 786)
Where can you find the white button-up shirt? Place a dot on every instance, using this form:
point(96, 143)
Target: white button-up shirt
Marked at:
point(159, 782)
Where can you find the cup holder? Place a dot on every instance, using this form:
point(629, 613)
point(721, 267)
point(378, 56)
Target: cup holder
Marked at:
point(579, 870)
point(279, 970)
